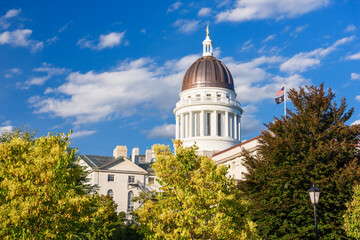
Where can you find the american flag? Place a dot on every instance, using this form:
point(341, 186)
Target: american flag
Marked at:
point(280, 92)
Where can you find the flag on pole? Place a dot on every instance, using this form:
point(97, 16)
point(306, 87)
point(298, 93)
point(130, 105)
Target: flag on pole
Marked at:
point(280, 93)
point(279, 100)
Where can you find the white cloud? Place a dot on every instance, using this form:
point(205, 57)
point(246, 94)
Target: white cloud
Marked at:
point(355, 56)
point(350, 28)
point(305, 60)
point(249, 123)
point(186, 25)
point(4, 24)
point(132, 87)
point(82, 133)
point(246, 10)
point(268, 38)
point(357, 98)
point(8, 129)
point(356, 122)
point(298, 30)
point(50, 72)
point(105, 41)
point(174, 7)
point(247, 45)
point(163, 131)
point(12, 72)
point(20, 38)
point(204, 12)
point(66, 26)
point(253, 83)
point(355, 76)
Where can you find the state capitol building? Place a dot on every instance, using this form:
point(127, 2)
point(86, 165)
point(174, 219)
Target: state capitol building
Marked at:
point(207, 114)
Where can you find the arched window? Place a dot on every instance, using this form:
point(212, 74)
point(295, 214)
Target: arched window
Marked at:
point(130, 202)
point(110, 193)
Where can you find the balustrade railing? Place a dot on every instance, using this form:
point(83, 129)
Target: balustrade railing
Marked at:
point(207, 99)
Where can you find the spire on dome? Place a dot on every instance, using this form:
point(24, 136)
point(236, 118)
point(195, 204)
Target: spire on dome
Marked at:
point(207, 44)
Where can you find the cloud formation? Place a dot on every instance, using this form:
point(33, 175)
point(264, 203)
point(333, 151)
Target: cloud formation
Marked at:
point(301, 62)
point(186, 25)
point(105, 41)
point(132, 87)
point(82, 133)
point(175, 6)
point(4, 23)
point(163, 131)
point(355, 56)
point(355, 76)
point(246, 10)
point(204, 12)
point(48, 70)
point(20, 38)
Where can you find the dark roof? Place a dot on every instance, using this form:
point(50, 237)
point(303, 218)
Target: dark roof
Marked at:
point(146, 167)
point(95, 161)
point(208, 72)
point(237, 145)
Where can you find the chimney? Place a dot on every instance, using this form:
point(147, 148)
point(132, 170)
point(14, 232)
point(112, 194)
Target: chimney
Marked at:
point(149, 155)
point(120, 151)
point(135, 156)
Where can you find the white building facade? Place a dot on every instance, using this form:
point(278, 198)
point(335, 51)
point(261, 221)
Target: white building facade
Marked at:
point(120, 177)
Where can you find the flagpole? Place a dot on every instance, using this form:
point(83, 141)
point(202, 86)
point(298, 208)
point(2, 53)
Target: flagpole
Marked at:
point(285, 98)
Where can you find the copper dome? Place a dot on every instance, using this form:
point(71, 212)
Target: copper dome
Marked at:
point(208, 72)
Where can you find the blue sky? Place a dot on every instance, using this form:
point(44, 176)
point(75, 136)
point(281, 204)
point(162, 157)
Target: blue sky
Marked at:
point(112, 70)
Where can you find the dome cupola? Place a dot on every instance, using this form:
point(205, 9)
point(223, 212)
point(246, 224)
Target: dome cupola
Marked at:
point(207, 71)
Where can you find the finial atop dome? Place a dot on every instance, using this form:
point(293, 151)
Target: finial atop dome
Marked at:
point(207, 44)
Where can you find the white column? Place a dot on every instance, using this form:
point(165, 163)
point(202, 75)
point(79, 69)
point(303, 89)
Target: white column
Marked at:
point(177, 127)
point(191, 128)
point(182, 125)
point(235, 126)
point(239, 128)
point(202, 123)
point(226, 133)
point(186, 125)
point(215, 123)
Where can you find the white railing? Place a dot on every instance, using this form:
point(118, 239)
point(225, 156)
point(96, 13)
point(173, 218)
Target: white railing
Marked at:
point(206, 99)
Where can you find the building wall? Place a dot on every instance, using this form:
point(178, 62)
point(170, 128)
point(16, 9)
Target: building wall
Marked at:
point(232, 157)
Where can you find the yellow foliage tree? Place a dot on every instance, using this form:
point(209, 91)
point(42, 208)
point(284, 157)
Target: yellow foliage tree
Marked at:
point(42, 195)
point(197, 200)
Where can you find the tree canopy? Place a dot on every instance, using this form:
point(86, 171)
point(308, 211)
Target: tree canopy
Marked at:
point(312, 143)
point(352, 215)
point(197, 200)
point(43, 195)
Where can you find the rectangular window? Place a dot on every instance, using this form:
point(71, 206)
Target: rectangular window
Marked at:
point(111, 177)
point(231, 125)
point(197, 124)
point(219, 124)
point(208, 96)
point(198, 97)
point(131, 179)
point(208, 124)
point(151, 180)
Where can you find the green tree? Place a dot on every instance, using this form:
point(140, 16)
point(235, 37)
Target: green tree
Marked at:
point(312, 143)
point(197, 200)
point(43, 195)
point(352, 215)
